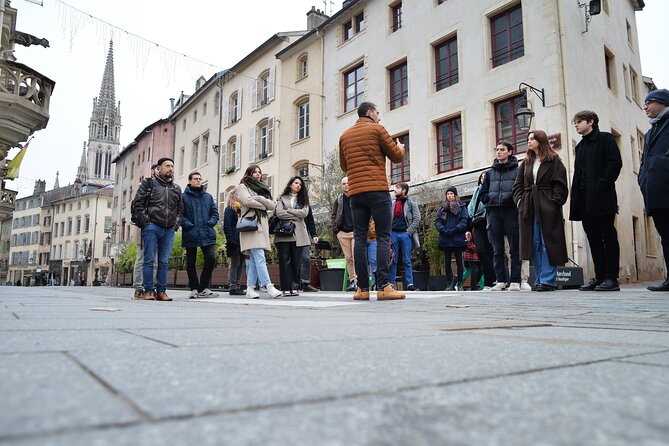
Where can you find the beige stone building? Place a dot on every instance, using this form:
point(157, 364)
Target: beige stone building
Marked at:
point(447, 75)
point(24, 242)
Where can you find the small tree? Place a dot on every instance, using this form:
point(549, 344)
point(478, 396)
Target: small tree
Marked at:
point(125, 259)
point(324, 191)
point(429, 198)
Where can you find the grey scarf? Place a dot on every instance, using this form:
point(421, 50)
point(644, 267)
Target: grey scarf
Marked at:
point(659, 117)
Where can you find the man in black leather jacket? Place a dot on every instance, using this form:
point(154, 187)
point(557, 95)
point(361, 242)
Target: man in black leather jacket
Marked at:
point(158, 209)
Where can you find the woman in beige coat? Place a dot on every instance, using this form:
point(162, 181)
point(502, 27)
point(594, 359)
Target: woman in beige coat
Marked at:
point(292, 205)
point(255, 198)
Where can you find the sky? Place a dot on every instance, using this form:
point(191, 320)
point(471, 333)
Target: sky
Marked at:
point(161, 50)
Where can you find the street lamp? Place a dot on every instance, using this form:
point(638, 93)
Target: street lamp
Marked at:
point(525, 113)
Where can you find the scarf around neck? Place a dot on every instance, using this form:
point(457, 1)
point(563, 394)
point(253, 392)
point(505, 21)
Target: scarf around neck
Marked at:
point(258, 187)
point(452, 206)
point(659, 117)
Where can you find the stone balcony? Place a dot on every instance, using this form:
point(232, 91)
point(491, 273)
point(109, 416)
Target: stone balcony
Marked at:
point(25, 95)
point(7, 202)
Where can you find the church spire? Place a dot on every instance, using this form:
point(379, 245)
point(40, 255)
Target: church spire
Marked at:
point(82, 171)
point(56, 184)
point(104, 130)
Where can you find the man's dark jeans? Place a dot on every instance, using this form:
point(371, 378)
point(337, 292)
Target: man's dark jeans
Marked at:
point(209, 253)
point(661, 220)
point(503, 221)
point(603, 241)
point(375, 205)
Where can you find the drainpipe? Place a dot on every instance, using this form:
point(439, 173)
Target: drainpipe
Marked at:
point(220, 149)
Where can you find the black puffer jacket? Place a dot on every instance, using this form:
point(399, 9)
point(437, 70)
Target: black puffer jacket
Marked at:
point(157, 202)
point(497, 188)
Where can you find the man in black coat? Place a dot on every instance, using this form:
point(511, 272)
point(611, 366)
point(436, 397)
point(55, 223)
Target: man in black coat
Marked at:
point(594, 200)
point(654, 170)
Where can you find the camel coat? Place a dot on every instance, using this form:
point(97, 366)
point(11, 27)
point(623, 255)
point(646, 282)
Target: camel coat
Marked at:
point(259, 238)
point(284, 211)
point(545, 200)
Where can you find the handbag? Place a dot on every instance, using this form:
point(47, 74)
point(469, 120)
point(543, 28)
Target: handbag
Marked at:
point(247, 224)
point(479, 219)
point(284, 228)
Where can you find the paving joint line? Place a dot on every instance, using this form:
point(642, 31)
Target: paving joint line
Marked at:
point(15, 315)
point(115, 392)
point(126, 331)
point(623, 361)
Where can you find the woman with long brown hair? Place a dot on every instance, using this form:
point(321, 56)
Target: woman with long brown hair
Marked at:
point(256, 199)
point(540, 191)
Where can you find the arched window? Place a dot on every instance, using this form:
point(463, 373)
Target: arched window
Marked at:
point(302, 67)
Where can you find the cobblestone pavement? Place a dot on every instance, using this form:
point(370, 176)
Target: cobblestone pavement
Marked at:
point(90, 366)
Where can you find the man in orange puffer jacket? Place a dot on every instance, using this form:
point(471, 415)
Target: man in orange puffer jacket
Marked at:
point(363, 150)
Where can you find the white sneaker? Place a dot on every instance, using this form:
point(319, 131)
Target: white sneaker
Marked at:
point(193, 294)
point(273, 292)
point(524, 286)
point(514, 286)
point(207, 293)
point(251, 293)
point(486, 288)
point(499, 286)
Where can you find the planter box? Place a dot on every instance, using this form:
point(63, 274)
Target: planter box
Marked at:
point(421, 280)
point(331, 279)
point(438, 283)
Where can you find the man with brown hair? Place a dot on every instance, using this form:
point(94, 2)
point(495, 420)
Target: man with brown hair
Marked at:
point(363, 150)
point(594, 200)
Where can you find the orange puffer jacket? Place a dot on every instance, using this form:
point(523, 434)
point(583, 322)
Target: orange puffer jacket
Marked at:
point(363, 149)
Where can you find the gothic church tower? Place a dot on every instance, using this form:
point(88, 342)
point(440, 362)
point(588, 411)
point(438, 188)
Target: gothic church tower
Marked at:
point(104, 130)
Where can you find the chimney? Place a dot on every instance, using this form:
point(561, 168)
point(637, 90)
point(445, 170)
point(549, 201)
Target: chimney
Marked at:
point(40, 187)
point(315, 18)
point(171, 105)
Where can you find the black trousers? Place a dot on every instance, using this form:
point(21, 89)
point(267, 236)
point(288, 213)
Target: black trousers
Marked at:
point(209, 263)
point(290, 257)
point(485, 252)
point(459, 264)
point(661, 220)
point(603, 240)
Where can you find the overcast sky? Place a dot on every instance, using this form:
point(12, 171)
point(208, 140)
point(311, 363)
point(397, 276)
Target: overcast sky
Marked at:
point(219, 33)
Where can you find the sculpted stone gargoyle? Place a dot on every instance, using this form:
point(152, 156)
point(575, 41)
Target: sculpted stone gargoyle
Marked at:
point(26, 39)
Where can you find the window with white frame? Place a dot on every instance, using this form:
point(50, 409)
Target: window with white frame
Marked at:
point(261, 140)
point(195, 153)
point(231, 159)
point(354, 87)
point(303, 119)
point(262, 89)
point(205, 148)
point(302, 67)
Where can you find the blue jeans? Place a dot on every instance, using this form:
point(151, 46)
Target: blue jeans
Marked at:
point(402, 242)
point(544, 272)
point(365, 206)
point(371, 257)
point(256, 268)
point(156, 238)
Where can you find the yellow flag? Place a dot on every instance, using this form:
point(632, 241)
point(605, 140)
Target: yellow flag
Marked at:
point(15, 165)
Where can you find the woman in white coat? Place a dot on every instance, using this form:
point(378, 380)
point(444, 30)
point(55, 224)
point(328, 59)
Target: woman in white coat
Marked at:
point(293, 206)
point(256, 199)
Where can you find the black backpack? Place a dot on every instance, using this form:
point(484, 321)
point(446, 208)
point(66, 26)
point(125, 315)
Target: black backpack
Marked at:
point(135, 218)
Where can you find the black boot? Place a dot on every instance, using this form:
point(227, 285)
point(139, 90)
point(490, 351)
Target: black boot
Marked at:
point(664, 286)
point(451, 285)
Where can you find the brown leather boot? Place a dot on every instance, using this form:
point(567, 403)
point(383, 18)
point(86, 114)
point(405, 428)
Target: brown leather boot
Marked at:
point(150, 295)
point(163, 296)
point(388, 293)
point(361, 294)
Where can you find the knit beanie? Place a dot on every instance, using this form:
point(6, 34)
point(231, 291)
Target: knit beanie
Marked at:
point(452, 189)
point(661, 96)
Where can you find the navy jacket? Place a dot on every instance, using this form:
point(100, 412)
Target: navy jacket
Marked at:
point(497, 189)
point(654, 171)
point(200, 217)
point(451, 227)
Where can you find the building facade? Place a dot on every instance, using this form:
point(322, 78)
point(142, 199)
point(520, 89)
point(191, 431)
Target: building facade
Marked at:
point(24, 269)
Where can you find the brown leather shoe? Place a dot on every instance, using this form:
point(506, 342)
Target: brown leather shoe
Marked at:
point(139, 295)
point(388, 293)
point(163, 296)
point(361, 294)
point(150, 295)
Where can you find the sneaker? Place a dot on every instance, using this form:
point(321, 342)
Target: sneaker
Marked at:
point(273, 292)
point(412, 288)
point(163, 296)
point(388, 293)
point(236, 292)
point(361, 294)
point(193, 294)
point(139, 295)
point(251, 293)
point(499, 286)
point(487, 288)
point(524, 286)
point(457, 286)
point(207, 293)
point(352, 286)
point(514, 286)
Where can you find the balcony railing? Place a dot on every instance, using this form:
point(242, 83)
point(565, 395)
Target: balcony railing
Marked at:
point(22, 81)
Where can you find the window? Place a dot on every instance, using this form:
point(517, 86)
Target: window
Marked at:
point(261, 140)
point(626, 80)
point(205, 148)
point(354, 88)
point(449, 145)
point(639, 142)
point(204, 109)
point(400, 172)
point(262, 89)
point(505, 124)
point(232, 162)
point(69, 226)
point(195, 116)
point(87, 223)
point(347, 30)
point(302, 67)
point(217, 100)
point(78, 227)
point(183, 124)
point(263, 134)
point(507, 36)
point(635, 85)
point(396, 11)
point(446, 62)
point(610, 68)
point(303, 120)
point(233, 113)
point(359, 22)
point(195, 153)
point(629, 33)
point(399, 86)
point(79, 203)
